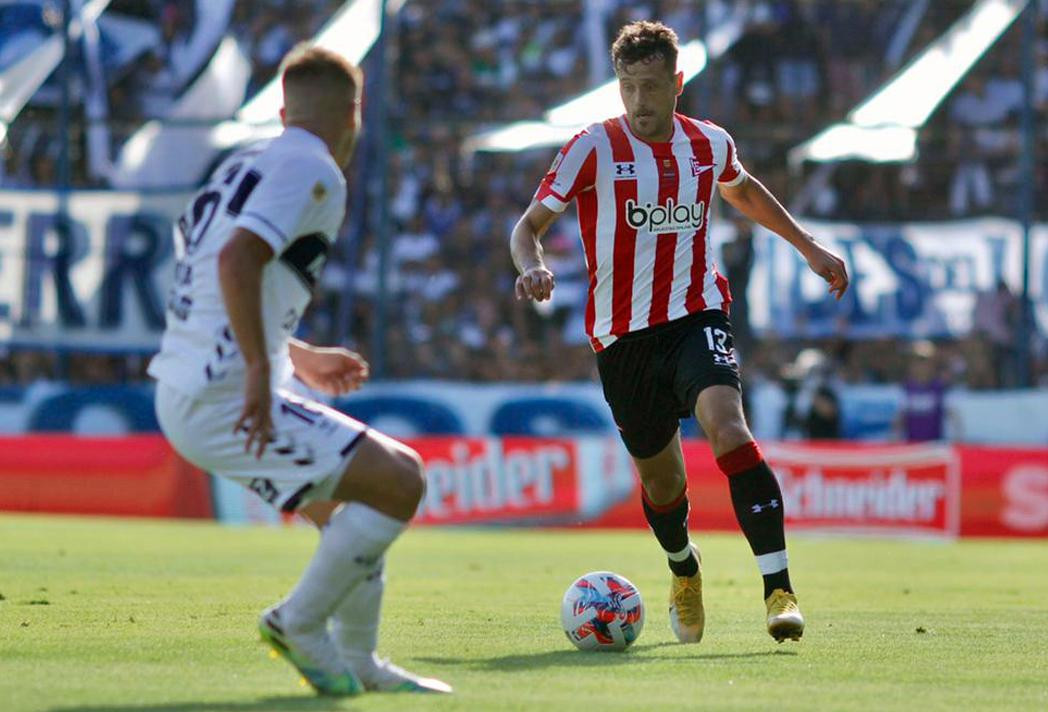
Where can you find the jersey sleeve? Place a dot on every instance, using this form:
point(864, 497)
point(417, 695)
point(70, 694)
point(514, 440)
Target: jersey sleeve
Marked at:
point(290, 200)
point(733, 173)
point(573, 171)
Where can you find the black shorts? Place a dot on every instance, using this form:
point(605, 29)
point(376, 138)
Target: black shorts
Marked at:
point(652, 377)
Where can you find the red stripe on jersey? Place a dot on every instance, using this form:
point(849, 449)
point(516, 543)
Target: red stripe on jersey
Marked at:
point(725, 291)
point(729, 173)
point(665, 244)
point(703, 153)
point(586, 176)
point(624, 248)
point(587, 203)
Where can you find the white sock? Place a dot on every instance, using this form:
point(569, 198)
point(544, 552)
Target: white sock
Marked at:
point(772, 563)
point(681, 555)
point(354, 540)
point(354, 624)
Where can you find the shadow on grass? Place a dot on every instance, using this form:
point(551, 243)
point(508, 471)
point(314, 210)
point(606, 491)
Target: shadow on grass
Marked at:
point(289, 703)
point(575, 658)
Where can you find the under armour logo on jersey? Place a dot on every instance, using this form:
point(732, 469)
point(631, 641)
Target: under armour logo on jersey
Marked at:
point(724, 360)
point(697, 167)
point(625, 171)
point(758, 508)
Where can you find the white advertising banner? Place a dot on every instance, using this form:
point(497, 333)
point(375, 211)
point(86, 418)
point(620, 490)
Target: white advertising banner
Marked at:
point(96, 280)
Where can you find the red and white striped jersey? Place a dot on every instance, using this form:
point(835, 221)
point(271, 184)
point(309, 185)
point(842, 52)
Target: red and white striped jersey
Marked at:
point(644, 218)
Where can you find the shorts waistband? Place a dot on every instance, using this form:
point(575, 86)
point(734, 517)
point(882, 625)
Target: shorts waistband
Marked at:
point(666, 326)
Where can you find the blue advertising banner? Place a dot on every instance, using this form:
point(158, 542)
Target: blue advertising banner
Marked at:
point(908, 279)
point(419, 408)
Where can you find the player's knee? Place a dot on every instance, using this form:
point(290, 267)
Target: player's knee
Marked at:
point(666, 487)
point(729, 435)
point(410, 478)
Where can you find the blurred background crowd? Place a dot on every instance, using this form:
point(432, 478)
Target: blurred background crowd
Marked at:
point(460, 65)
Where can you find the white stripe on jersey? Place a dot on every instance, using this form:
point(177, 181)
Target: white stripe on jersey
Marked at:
point(602, 295)
point(644, 250)
point(710, 290)
point(682, 257)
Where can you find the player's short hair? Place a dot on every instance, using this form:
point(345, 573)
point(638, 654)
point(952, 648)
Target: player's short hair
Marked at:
point(645, 41)
point(308, 67)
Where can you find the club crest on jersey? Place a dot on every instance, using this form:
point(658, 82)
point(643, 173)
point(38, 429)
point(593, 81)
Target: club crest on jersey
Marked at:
point(670, 217)
point(698, 166)
point(625, 171)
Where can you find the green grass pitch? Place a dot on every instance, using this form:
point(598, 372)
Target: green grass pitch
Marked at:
point(157, 616)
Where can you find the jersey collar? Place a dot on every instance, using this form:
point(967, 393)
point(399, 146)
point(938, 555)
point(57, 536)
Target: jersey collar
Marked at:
point(653, 144)
point(297, 133)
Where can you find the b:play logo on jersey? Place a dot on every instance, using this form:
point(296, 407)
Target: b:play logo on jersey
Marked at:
point(671, 217)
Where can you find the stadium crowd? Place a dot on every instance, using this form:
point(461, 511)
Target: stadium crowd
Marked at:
point(462, 65)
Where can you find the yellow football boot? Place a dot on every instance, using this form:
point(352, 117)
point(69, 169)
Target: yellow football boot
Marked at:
point(687, 616)
point(784, 617)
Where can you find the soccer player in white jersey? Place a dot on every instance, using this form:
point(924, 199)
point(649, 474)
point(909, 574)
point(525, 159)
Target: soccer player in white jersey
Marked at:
point(657, 313)
point(250, 247)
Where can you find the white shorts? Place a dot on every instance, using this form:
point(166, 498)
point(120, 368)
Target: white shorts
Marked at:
point(305, 462)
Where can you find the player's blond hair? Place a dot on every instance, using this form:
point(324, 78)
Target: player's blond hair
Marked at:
point(315, 79)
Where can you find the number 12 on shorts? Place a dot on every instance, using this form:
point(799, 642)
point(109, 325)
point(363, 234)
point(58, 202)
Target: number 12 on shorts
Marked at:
point(717, 340)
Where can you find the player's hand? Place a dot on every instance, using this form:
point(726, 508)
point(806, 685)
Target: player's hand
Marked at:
point(830, 267)
point(256, 419)
point(536, 283)
point(334, 371)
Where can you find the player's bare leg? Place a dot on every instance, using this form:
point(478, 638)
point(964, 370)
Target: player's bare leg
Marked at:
point(665, 500)
point(757, 500)
point(386, 475)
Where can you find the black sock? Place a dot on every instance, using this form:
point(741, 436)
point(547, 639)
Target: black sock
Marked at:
point(757, 500)
point(669, 522)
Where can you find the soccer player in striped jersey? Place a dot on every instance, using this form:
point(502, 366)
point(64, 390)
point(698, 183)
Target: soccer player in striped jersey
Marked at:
point(657, 310)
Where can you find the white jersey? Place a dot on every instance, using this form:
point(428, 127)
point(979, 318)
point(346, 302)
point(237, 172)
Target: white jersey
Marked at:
point(291, 193)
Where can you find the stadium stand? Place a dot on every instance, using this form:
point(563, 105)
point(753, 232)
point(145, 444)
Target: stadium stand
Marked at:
point(465, 64)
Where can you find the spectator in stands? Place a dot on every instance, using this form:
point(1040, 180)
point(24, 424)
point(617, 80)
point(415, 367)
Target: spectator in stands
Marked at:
point(737, 259)
point(823, 421)
point(812, 408)
point(800, 76)
point(923, 413)
point(754, 55)
point(995, 318)
point(980, 139)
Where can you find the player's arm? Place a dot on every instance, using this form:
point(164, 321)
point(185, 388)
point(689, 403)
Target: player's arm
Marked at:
point(572, 172)
point(240, 265)
point(535, 280)
point(330, 370)
point(752, 199)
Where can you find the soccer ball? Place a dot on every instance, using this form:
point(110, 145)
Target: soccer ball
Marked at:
point(602, 611)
